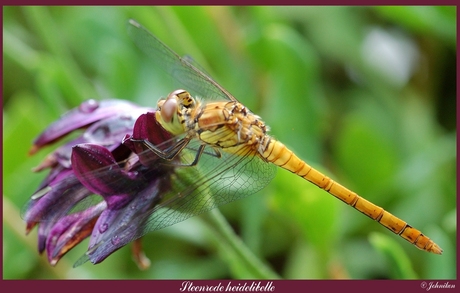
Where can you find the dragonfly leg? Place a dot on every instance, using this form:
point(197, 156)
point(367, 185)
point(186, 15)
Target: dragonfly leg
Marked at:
point(199, 152)
point(170, 153)
point(214, 153)
point(197, 157)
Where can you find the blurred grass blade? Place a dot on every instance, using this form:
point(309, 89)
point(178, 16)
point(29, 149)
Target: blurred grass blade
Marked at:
point(396, 256)
point(245, 259)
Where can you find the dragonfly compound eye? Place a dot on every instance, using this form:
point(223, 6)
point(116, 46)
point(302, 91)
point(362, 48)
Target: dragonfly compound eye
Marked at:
point(169, 109)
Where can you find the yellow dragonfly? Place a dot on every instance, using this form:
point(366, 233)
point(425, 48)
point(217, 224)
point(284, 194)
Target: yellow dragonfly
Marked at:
point(228, 149)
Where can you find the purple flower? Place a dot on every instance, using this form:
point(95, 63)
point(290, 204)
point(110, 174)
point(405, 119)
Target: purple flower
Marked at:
point(102, 184)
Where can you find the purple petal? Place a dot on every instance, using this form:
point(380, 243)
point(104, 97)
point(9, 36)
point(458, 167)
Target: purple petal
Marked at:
point(88, 112)
point(109, 217)
point(50, 202)
point(70, 231)
point(58, 200)
point(119, 227)
point(60, 156)
point(98, 171)
point(107, 132)
point(110, 131)
point(147, 128)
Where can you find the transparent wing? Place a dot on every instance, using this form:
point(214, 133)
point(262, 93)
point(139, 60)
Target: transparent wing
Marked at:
point(212, 182)
point(181, 69)
point(192, 190)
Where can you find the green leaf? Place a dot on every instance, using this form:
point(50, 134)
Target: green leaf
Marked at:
point(398, 260)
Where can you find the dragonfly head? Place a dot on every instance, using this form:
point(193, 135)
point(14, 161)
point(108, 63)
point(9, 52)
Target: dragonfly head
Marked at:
point(172, 111)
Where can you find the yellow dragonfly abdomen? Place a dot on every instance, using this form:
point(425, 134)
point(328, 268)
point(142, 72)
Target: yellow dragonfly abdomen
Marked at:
point(278, 154)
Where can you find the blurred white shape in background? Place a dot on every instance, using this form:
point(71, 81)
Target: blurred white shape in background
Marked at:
point(391, 53)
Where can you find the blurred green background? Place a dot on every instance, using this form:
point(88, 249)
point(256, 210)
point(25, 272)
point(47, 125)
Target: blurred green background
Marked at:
point(365, 94)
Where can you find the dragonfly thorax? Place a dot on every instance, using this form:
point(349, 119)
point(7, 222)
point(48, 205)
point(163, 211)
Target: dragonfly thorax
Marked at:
point(228, 125)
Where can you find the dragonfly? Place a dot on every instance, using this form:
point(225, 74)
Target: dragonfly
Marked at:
point(227, 149)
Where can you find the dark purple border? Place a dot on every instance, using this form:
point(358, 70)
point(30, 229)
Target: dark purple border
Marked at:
point(279, 286)
point(233, 3)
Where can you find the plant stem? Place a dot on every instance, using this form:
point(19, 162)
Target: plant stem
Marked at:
point(227, 239)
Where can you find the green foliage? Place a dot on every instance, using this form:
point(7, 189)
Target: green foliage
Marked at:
point(319, 76)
